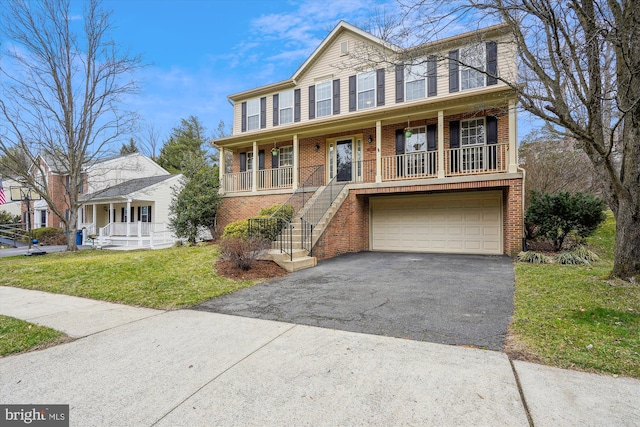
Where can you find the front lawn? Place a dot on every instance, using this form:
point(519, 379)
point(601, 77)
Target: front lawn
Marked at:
point(164, 279)
point(17, 335)
point(575, 317)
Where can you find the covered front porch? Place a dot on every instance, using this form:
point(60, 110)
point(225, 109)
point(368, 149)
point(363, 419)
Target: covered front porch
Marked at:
point(123, 224)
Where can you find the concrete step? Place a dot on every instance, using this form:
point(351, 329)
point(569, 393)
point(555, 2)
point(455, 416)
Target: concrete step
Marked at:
point(298, 263)
point(280, 256)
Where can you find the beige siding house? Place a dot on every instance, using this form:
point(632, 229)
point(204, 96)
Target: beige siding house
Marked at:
point(413, 151)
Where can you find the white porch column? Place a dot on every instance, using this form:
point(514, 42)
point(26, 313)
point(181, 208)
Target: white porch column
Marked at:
point(378, 151)
point(296, 162)
point(109, 219)
point(440, 144)
point(94, 218)
point(254, 168)
point(222, 170)
point(128, 218)
point(513, 137)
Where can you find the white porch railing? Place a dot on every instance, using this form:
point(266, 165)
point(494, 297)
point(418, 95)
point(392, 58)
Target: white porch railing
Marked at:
point(89, 227)
point(275, 178)
point(410, 166)
point(476, 160)
point(267, 179)
point(237, 182)
point(138, 234)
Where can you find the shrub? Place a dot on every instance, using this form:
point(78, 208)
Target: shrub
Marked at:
point(534, 257)
point(50, 236)
point(7, 218)
point(554, 216)
point(238, 229)
point(243, 251)
point(568, 257)
point(285, 213)
point(585, 253)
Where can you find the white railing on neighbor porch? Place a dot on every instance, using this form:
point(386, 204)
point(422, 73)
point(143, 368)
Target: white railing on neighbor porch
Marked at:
point(267, 179)
point(491, 158)
point(140, 234)
point(88, 227)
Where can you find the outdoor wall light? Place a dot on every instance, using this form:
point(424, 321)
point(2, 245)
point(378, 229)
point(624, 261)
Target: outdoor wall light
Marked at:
point(370, 139)
point(317, 147)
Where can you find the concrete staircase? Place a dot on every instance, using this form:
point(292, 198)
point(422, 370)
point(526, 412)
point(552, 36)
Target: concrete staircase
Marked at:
point(300, 258)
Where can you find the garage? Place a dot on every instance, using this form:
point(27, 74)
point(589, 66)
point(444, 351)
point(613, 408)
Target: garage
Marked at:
point(469, 223)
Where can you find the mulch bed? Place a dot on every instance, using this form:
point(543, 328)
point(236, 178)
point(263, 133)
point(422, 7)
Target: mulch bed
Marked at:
point(260, 270)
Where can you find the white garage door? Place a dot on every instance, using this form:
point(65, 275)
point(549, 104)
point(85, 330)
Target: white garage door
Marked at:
point(452, 223)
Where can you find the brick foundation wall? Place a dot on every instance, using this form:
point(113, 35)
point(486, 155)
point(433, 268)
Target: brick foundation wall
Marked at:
point(348, 231)
point(237, 208)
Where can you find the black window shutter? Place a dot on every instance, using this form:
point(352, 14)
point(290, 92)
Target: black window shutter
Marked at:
point(454, 134)
point(133, 218)
point(492, 63)
point(123, 214)
point(312, 102)
point(336, 96)
point(243, 162)
point(296, 105)
point(149, 217)
point(432, 77)
point(399, 141)
point(432, 138)
point(453, 71)
point(139, 213)
point(66, 183)
point(276, 111)
point(274, 161)
point(244, 117)
point(399, 83)
point(380, 86)
point(352, 93)
point(492, 130)
point(261, 159)
point(263, 112)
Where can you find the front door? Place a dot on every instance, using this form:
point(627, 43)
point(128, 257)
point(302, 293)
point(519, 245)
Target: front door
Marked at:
point(341, 160)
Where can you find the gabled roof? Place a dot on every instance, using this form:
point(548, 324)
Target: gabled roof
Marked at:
point(128, 188)
point(341, 27)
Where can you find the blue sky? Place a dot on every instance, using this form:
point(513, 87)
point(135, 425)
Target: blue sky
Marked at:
point(200, 51)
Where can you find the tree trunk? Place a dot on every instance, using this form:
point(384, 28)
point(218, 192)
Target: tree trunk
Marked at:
point(627, 248)
point(72, 228)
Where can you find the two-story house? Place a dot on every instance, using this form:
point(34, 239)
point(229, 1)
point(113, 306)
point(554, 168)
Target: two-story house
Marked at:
point(422, 150)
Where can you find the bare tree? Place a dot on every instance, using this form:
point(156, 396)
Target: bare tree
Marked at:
point(579, 70)
point(61, 93)
point(150, 140)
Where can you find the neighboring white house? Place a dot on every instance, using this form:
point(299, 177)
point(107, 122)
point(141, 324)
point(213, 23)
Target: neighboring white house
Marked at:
point(133, 213)
point(113, 171)
point(12, 207)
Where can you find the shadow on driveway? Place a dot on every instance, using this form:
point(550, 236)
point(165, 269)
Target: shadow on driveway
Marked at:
point(448, 299)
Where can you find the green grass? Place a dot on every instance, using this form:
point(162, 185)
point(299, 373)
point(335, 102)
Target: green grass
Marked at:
point(164, 279)
point(576, 317)
point(17, 336)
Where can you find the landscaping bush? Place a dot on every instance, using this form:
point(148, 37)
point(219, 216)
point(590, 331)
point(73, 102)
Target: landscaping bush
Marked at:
point(570, 258)
point(585, 253)
point(286, 213)
point(50, 236)
point(237, 229)
point(534, 257)
point(7, 218)
point(554, 216)
point(243, 251)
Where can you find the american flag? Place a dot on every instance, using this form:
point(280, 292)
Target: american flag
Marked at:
point(3, 199)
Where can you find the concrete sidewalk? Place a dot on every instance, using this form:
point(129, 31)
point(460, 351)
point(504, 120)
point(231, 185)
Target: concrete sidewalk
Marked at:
point(134, 366)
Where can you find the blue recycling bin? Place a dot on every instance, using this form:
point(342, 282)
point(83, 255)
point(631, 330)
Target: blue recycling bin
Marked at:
point(79, 237)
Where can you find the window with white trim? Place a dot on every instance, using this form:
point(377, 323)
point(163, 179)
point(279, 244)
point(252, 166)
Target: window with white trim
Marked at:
point(253, 114)
point(285, 100)
point(472, 132)
point(472, 56)
point(249, 161)
point(366, 90)
point(323, 98)
point(417, 141)
point(414, 81)
point(285, 156)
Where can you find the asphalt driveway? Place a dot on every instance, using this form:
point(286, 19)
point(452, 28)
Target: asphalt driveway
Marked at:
point(448, 299)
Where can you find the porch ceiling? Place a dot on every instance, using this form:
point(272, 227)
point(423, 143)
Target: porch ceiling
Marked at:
point(450, 103)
